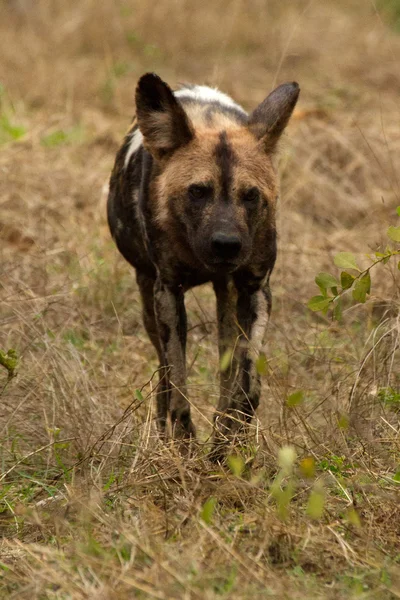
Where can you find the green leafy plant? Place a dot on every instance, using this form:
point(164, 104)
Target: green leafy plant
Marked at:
point(283, 486)
point(207, 510)
point(236, 465)
point(295, 399)
point(390, 397)
point(358, 282)
point(9, 360)
point(9, 131)
point(61, 137)
point(335, 464)
point(316, 502)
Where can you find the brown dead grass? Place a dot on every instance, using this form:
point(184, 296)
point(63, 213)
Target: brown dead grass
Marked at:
point(92, 505)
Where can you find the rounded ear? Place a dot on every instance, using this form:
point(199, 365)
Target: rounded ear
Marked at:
point(162, 120)
point(268, 121)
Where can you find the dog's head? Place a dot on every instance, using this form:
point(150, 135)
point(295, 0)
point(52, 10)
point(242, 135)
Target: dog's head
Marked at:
point(216, 179)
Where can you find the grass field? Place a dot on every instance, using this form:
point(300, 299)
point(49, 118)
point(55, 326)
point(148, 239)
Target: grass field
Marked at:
point(92, 505)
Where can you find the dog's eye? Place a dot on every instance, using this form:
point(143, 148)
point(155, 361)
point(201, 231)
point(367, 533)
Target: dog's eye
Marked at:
point(199, 191)
point(251, 195)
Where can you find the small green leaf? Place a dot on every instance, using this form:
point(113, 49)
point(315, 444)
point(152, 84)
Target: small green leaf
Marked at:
point(362, 288)
point(337, 311)
point(315, 504)
point(10, 132)
point(346, 280)
point(56, 138)
point(353, 517)
point(325, 281)
point(111, 479)
point(207, 510)
point(9, 360)
point(398, 210)
point(262, 364)
point(63, 136)
point(394, 233)
point(343, 421)
point(226, 360)
point(345, 260)
point(396, 476)
point(366, 279)
point(16, 131)
point(139, 395)
point(398, 265)
point(283, 498)
point(236, 464)
point(307, 467)
point(319, 303)
point(295, 399)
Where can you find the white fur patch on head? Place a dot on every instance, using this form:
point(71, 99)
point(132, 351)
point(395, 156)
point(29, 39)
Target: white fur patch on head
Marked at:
point(134, 145)
point(203, 93)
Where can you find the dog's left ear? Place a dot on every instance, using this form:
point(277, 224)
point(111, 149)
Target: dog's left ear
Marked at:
point(161, 118)
point(268, 121)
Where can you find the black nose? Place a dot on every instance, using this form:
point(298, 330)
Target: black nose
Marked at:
point(225, 245)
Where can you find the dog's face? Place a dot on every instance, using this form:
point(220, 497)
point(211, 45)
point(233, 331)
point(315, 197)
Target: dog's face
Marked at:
point(216, 180)
point(219, 187)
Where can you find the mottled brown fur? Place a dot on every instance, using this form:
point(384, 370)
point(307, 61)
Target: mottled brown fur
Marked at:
point(194, 201)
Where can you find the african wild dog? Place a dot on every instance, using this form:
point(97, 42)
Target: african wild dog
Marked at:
point(192, 199)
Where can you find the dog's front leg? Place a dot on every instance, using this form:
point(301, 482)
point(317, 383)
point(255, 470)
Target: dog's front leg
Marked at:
point(171, 321)
point(253, 309)
point(228, 336)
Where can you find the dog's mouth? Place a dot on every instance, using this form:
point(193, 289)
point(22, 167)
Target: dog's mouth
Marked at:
point(222, 266)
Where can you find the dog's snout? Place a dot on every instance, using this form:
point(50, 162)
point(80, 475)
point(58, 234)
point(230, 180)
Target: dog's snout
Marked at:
point(225, 245)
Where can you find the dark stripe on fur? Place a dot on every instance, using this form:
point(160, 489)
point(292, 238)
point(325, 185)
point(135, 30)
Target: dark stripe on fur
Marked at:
point(225, 158)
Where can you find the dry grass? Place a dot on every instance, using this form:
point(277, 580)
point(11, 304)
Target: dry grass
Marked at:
point(92, 506)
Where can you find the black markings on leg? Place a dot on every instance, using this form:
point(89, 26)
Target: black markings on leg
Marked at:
point(228, 333)
point(155, 333)
point(253, 308)
point(171, 320)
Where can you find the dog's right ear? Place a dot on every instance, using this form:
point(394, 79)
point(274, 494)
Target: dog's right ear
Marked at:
point(268, 121)
point(162, 120)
